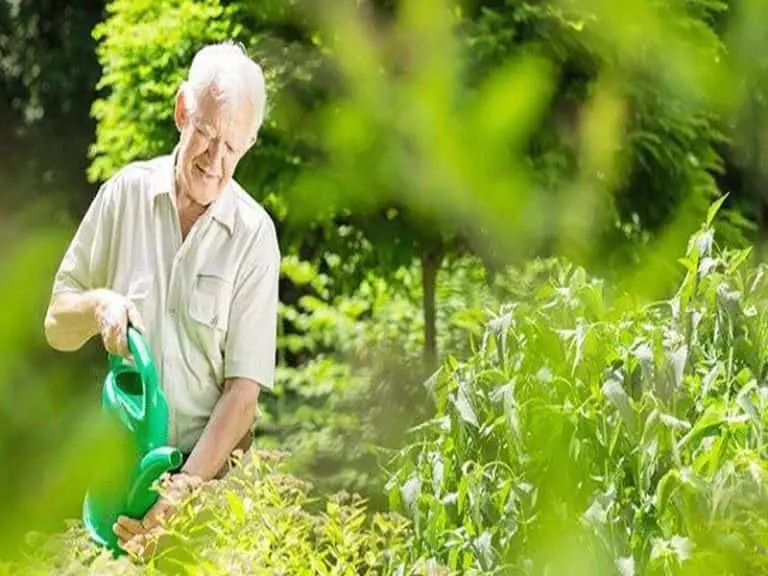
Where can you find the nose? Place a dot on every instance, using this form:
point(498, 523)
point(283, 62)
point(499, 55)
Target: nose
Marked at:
point(216, 151)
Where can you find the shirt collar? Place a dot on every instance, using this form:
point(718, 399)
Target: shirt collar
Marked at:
point(163, 183)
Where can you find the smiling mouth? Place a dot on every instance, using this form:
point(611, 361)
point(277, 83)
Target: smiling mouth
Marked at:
point(205, 173)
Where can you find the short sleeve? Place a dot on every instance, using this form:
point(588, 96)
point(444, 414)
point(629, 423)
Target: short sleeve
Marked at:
point(84, 264)
point(250, 350)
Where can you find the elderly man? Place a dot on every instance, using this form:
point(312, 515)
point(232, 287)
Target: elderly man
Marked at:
point(175, 247)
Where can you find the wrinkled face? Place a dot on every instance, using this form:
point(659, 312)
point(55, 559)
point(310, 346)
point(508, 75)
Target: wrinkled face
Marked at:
point(214, 137)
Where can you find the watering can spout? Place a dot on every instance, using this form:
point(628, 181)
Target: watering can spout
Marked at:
point(152, 466)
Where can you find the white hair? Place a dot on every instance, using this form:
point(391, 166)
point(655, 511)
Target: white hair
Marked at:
point(237, 79)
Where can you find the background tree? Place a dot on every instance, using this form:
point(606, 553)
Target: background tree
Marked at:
point(48, 73)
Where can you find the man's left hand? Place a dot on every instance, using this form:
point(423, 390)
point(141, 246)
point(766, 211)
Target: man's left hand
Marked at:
point(140, 536)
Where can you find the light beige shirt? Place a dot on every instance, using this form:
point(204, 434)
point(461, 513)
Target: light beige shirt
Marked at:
point(209, 303)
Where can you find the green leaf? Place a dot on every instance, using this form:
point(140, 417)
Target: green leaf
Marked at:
point(738, 260)
point(714, 209)
point(709, 423)
point(615, 393)
point(462, 404)
point(665, 488)
point(236, 506)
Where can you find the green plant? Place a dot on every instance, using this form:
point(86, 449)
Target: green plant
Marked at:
point(596, 433)
point(350, 384)
point(257, 520)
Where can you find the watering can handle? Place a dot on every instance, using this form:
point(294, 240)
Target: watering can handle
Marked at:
point(138, 346)
point(144, 365)
point(142, 356)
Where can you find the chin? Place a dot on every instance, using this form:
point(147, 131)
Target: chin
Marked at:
point(206, 193)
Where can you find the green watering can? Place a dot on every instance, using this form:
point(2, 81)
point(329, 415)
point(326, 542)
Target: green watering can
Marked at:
point(134, 403)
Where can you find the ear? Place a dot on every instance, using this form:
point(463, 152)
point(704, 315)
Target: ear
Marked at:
point(180, 111)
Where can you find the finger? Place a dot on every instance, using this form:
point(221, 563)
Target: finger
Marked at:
point(157, 515)
point(125, 532)
point(122, 338)
point(109, 326)
point(135, 546)
point(105, 329)
point(116, 343)
point(130, 524)
point(135, 318)
point(110, 337)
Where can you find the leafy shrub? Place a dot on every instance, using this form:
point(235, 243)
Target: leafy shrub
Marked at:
point(353, 385)
point(256, 520)
point(596, 434)
point(588, 433)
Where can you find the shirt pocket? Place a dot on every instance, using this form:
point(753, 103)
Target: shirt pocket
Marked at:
point(209, 303)
point(209, 300)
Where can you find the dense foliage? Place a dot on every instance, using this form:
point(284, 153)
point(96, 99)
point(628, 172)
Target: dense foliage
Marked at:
point(500, 190)
point(361, 368)
point(258, 520)
point(592, 434)
point(586, 431)
point(361, 191)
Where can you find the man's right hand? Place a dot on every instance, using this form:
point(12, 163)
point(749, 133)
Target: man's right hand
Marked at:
point(72, 319)
point(113, 313)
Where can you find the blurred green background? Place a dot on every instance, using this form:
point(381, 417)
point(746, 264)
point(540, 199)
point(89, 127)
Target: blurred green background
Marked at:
point(413, 152)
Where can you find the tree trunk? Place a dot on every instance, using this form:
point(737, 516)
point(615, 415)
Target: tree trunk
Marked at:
point(431, 259)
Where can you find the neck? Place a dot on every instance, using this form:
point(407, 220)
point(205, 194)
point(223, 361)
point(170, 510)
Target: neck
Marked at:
point(189, 210)
point(186, 203)
point(184, 200)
